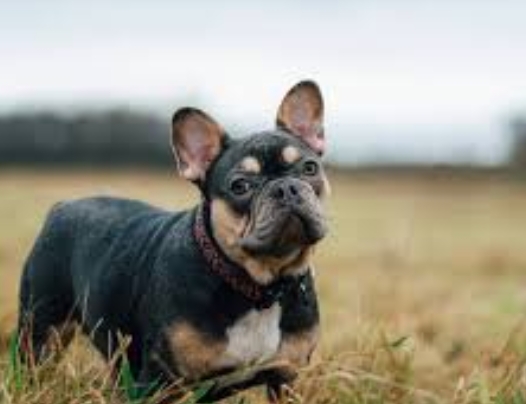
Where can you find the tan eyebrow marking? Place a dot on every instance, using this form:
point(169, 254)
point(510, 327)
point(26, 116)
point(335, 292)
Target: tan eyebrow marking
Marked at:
point(290, 154)
point(251, 165)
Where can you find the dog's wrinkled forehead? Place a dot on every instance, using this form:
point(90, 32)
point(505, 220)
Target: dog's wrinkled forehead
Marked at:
point(265, 153)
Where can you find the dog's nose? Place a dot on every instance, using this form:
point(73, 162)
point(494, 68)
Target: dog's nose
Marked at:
point(287, 193)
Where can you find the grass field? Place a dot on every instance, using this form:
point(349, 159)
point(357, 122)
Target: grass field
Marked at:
point(422, 283)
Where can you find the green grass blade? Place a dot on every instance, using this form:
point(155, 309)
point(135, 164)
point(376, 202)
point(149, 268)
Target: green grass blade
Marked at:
point(15, 368)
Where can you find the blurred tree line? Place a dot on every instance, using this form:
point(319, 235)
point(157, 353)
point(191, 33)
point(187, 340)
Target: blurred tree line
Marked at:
point(518, 145)
point(120, 137)
point(116, 137)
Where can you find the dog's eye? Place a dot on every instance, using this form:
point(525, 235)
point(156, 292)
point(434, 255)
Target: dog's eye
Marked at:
point(310, 168)
point(240, 186)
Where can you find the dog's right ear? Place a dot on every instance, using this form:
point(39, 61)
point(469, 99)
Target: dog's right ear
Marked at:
point(301, 113)
point(197, 141)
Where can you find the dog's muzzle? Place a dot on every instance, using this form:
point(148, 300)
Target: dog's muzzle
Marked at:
point(287, 215)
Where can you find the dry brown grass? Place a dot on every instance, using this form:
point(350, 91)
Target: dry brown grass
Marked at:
point(421, 284)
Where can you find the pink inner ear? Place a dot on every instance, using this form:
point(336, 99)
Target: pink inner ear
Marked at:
point(195, 160)
point(199, 144)
point(305, 125)
point(312, 135)
point(302, 113)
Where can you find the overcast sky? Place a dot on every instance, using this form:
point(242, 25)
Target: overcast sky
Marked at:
point(425, 80)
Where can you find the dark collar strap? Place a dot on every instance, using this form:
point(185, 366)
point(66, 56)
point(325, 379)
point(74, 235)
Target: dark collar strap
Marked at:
point(234, 275)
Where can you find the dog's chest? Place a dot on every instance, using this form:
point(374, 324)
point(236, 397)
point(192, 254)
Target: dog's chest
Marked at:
point(254, 337)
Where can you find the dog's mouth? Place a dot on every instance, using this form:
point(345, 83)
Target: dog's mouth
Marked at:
point(280, 231)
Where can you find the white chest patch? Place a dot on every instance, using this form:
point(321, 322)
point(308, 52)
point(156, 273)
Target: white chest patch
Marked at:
point(253, 338)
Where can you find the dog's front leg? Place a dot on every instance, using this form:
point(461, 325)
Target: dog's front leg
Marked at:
point(296, 350)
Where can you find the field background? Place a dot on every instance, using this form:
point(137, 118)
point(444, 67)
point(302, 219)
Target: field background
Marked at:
point(421, 280)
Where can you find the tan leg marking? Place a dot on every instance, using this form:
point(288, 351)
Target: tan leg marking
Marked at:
point(196, 354)
point(297, 348)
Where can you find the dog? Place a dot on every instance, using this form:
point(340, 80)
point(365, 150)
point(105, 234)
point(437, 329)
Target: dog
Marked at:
point(204, 292)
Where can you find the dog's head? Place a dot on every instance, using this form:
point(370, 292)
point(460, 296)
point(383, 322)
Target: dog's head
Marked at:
point(265, 190)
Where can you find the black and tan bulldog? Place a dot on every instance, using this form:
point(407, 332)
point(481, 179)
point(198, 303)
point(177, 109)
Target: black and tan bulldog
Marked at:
point(205, 292)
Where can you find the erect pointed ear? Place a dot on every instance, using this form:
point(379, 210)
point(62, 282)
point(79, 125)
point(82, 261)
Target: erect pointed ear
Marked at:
point(301, 112)
point(197, 140)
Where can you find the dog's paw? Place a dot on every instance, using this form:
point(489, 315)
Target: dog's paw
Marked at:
point(270, 373)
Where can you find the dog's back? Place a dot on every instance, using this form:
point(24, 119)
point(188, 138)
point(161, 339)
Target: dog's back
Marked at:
point(90, 261)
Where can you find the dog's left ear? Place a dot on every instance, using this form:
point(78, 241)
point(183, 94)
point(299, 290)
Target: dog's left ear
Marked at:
point(197, 140)
point(301, 113)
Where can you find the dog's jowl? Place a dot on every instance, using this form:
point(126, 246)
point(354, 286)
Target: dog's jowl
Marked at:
point(199, 293)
